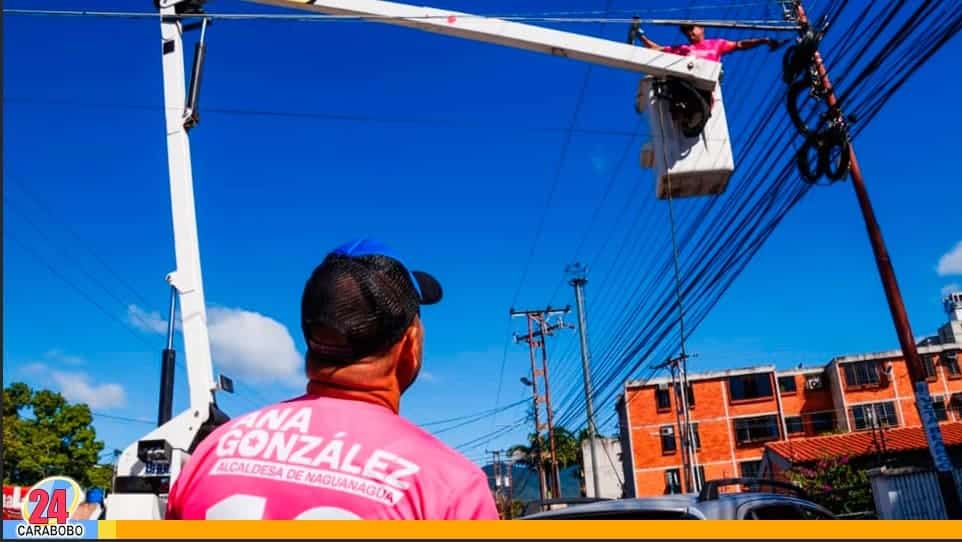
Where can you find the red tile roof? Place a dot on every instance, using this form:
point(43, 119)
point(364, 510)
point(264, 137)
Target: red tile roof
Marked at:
point(902, 439)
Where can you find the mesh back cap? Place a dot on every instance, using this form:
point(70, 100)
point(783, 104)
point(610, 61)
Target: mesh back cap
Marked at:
point(360, 300)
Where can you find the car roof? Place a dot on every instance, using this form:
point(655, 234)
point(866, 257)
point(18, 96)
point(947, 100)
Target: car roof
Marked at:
point(724, 506)
point(667, 503)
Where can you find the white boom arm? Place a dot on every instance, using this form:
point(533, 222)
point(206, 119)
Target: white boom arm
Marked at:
point(703, 74)
point(139, 484)
point(149, 466)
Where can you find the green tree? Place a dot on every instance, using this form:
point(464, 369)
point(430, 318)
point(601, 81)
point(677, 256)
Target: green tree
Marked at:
point(44, 435)
point(568, 449)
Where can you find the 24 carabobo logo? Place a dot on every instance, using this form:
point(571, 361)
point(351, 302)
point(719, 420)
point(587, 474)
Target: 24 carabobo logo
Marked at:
point(51, 501)
point(47, 509)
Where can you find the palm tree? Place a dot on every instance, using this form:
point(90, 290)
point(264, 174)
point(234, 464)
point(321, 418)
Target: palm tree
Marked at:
point(567, 449)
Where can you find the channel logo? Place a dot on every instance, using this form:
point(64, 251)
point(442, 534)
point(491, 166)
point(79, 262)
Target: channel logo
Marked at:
point(46, 512)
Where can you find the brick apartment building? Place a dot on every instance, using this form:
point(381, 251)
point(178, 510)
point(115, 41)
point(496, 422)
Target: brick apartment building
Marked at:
point(735, 413)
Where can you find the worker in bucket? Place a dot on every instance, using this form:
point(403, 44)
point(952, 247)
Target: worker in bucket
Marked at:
point(690, 107)
point(698, 46)
point(341, 450)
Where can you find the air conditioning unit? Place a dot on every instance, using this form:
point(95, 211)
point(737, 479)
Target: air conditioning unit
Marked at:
point(813, 383)
point(667, 431)
point(663, 386)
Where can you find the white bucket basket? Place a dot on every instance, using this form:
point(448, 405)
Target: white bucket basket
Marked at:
point(696, 166)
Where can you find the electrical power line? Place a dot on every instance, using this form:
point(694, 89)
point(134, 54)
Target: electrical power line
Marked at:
point(323, 18)
point(321, 116)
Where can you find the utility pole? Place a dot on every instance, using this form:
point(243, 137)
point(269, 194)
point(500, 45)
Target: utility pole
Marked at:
point(533, 384)
point(496, 468)
point(679, 382)
point(541, 317)
point(578, 280)
point(923, 400)
point(689, 435)
point(509, 509)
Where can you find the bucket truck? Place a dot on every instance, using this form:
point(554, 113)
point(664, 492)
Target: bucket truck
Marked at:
point(698, 161)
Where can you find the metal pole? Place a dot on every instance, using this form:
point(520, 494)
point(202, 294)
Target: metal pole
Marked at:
point(686, 471)
point(165, 408)
point(509, 512)
point(695, 482)
point(923, 400)
point(537, 418)
point(547, 400)
point(579, 282)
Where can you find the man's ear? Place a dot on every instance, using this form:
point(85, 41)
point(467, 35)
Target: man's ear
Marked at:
point(410, 356)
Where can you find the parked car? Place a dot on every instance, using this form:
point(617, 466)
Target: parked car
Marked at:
point(782, 501)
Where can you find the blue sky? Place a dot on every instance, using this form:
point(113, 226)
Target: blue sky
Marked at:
point(85, 192)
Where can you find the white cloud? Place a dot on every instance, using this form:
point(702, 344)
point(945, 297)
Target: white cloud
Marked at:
point(252, 347)
point(78, 386)
point(151, 322)
point(951, 262)
point(247, 346)
point(951, 288)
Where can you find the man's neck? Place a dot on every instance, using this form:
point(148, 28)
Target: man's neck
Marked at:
point(386, 397)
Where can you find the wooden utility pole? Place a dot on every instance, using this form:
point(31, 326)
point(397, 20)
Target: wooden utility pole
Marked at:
point(923, 400)
point(540, 318)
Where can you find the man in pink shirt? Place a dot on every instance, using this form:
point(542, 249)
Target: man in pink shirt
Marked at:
point(341, 451)
point(691, 108)
point(698, 46)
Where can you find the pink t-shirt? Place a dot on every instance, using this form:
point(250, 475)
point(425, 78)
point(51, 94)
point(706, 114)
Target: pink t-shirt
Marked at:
point(712, 49)
point(325, 458)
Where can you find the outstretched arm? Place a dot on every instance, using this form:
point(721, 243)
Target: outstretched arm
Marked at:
point(744, 45)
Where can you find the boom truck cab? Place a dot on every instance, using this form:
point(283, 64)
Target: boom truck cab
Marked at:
point(691, 156)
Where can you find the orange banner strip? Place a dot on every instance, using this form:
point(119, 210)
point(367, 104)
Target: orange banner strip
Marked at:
point(544, 530)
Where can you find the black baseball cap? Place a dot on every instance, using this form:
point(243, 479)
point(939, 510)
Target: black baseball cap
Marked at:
point(360, 300)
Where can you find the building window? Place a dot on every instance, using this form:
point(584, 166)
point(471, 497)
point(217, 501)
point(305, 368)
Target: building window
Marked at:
point(951, 362)
point(861, 373)
point(874, 415)
point(786, 384)
point(823, 422)
point(751, 386)
point(794, 425)
point(700, 474)
point(756, 429)
point(750, 469)
point(672, 481)
point(928, 365)
point(938, 404)
point(662, 399)
point(668, 445)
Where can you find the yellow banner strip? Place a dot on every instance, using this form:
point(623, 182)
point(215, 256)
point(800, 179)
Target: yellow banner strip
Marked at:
point(553, 530)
